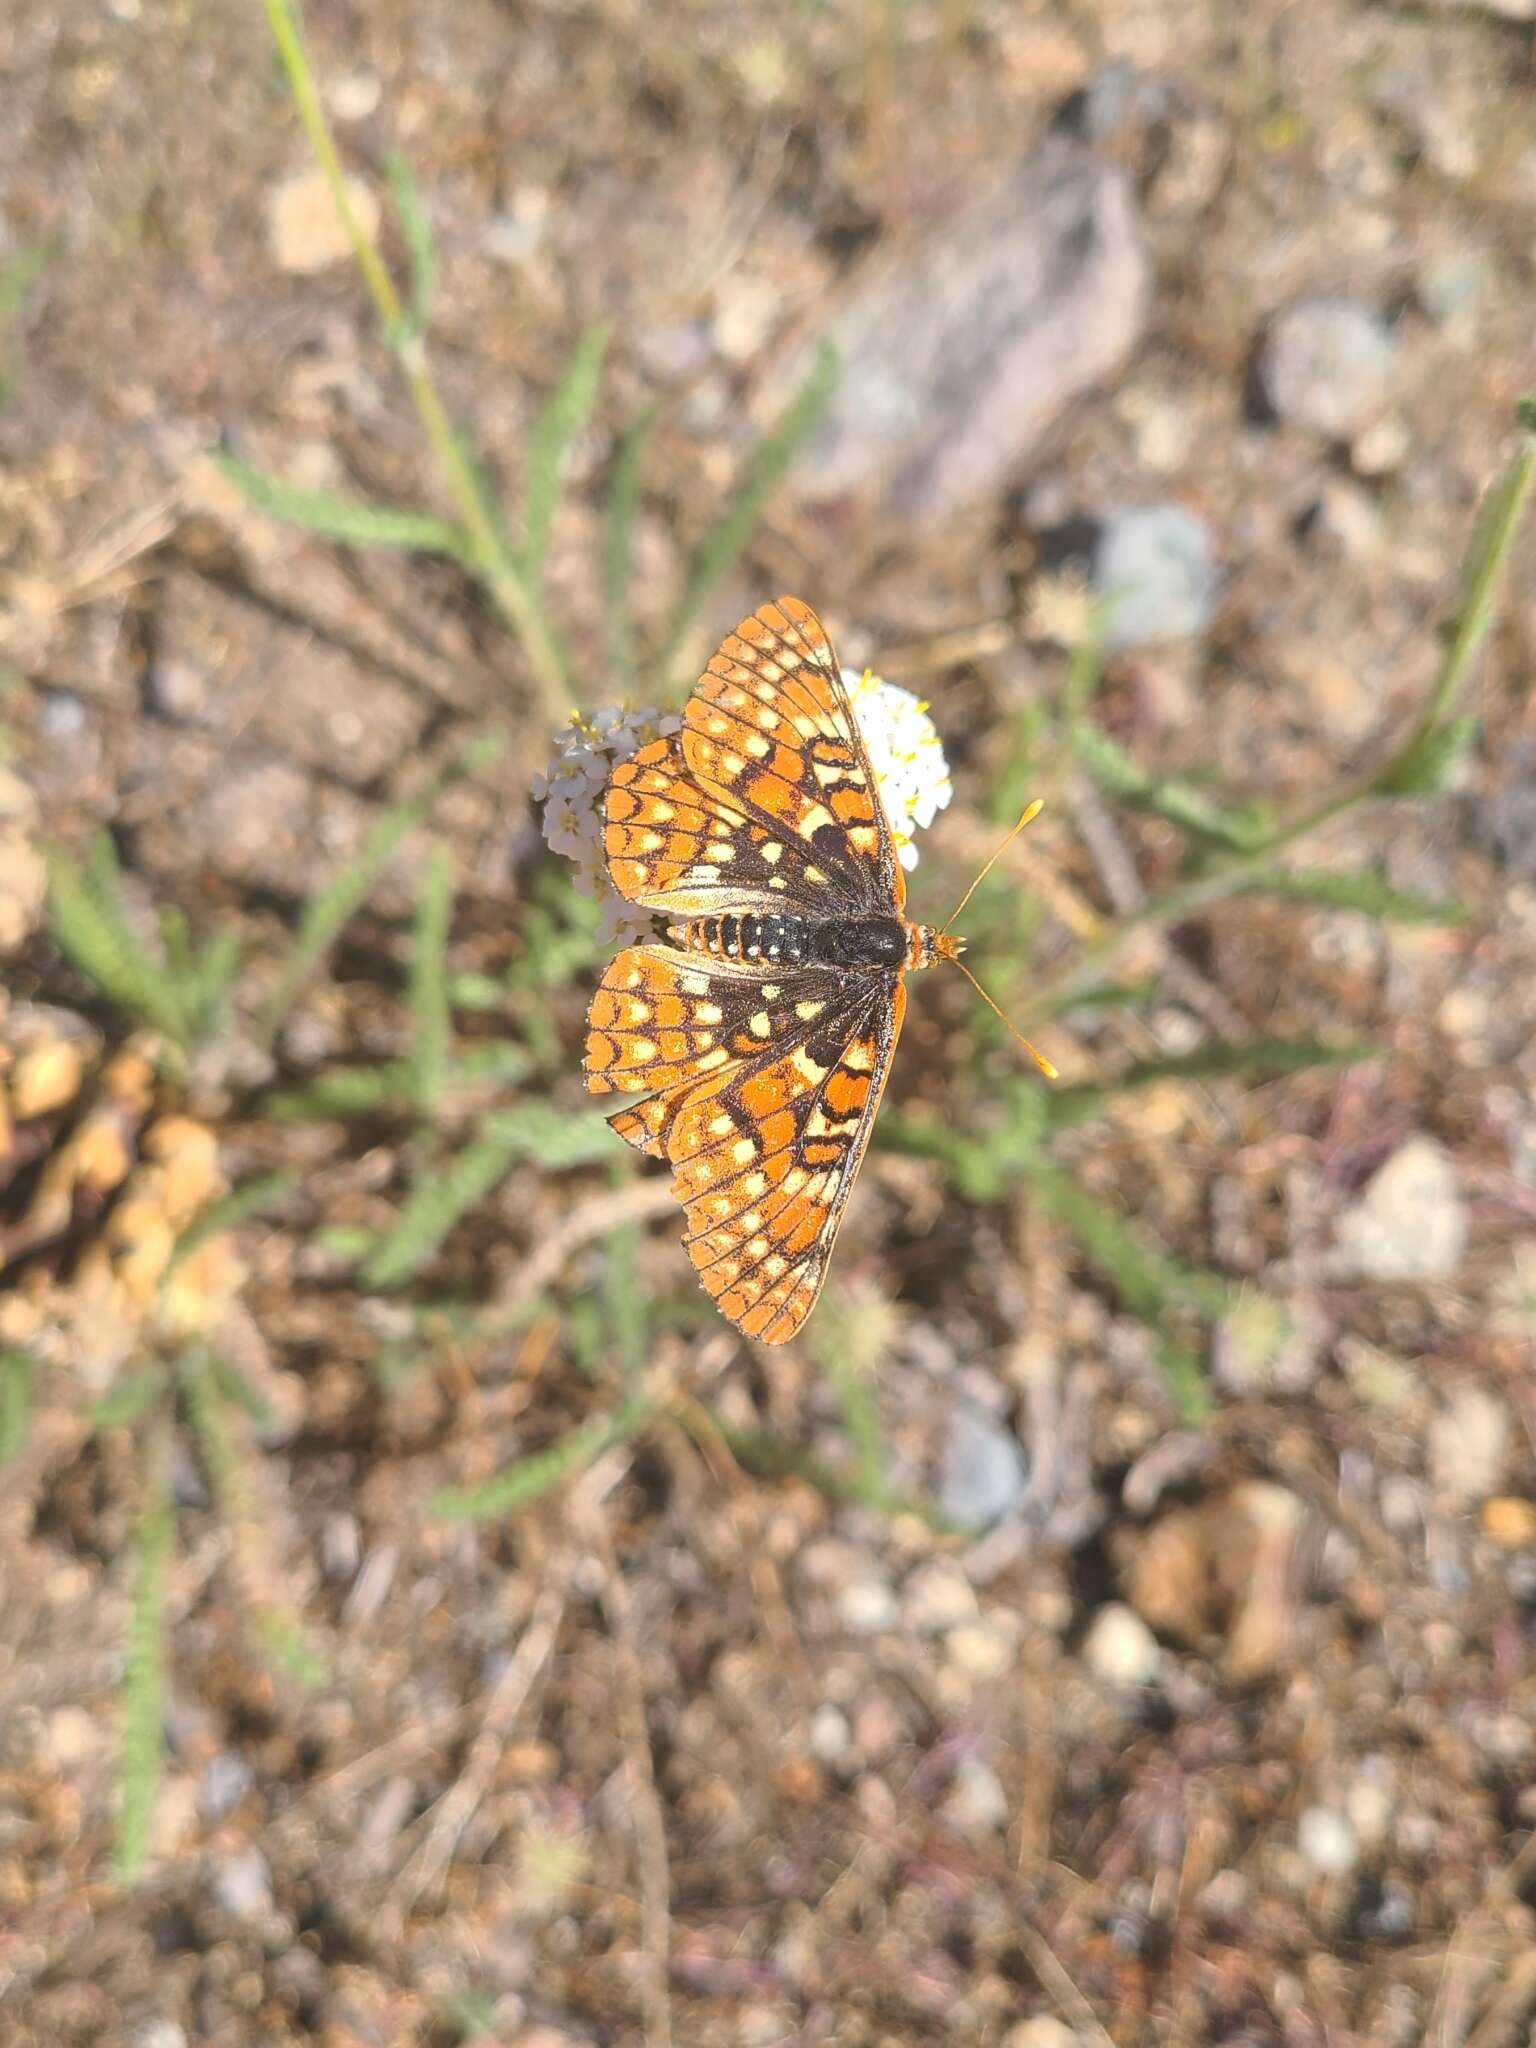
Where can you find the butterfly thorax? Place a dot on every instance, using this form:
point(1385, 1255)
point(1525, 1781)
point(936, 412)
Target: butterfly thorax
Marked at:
point(889, 943)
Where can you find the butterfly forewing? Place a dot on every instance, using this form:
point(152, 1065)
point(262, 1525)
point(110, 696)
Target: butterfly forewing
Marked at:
point(762, 1081)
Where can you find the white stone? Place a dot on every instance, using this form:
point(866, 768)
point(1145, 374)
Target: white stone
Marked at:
point(867, 1607)
point(1409, 1224)
point(1119, 1648)
point(1327, 1841)
point(1468, 1446)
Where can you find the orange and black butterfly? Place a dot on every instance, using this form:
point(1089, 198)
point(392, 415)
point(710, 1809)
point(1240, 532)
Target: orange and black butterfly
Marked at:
point(763, 1024)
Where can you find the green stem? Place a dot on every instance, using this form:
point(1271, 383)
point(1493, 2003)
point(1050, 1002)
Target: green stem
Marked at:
point(486, 552)
point(1225, 876)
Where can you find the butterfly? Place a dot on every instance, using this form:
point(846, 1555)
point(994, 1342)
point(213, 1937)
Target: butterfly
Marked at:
point(763, 1019)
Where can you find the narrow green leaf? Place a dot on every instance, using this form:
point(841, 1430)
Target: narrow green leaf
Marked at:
point(1254, 1060)
point(326, 914)
point(560, 420)
point(431, 1025)
point(214, 972)
point(129, 1399)
point(531, 1478)
point(143, 1695)
point(250, 1198)
point(342, 1092)
point(764, 471)
point(18, 1386)
point(1147, 1280)
point(1369, 892)
point(1243, 827)
point(420, 243)
point(1114, 996)
point(556, 1138)
point(1426, 767)
point(624, 491)
point(435, 1206)
point(1493, 536)
point(91, 926)
point(350, 520)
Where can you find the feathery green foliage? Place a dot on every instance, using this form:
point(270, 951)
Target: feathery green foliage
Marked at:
point(326, 913)
point(143, 1694)
point(1332, 889)
point(351, 521)
point(432, 1027)
point(624, 492)
point(420, 242)
point(18, 1386)
point(532, 1477)
point(559, 421)
point(91, 925)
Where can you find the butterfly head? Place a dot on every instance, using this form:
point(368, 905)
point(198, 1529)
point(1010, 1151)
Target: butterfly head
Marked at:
point(925, 945)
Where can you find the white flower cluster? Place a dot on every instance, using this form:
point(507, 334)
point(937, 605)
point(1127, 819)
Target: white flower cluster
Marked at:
point(904, 751)
point(906, 754)
point(571, 791)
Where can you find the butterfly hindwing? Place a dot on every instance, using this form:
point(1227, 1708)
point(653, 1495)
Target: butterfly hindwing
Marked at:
point(766, 1164)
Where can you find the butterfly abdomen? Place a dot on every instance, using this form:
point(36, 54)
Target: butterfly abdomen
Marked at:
point(785, 941)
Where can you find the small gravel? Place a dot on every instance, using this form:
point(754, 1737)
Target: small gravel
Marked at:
point(1327, 365)
point(1154, 566)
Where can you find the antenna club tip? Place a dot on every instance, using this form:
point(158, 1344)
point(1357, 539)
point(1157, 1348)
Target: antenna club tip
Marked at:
point(1051, 1072)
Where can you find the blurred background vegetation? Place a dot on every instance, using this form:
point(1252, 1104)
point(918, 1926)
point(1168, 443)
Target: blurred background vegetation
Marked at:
point(421, 1619)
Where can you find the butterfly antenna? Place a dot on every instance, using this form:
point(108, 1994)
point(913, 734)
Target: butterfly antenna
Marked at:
point(1050, 1072)
point(1032, 810)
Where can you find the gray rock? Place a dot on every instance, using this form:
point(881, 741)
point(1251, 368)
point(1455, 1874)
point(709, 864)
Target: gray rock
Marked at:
point(1328, 365)
point(983, 1474)
point(977, 1803)
point(242, 1884)
point(1409, 1224)
point(1153, 566)
point(222, 1783)
point(957, 356)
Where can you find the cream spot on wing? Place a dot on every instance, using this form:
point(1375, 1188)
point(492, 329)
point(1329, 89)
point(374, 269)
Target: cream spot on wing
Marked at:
point(760, 1025)
point(755, 1184)
point(717, 850)
point(772, 852)
point(808, 1010)
point(719, 1125)
point(771, 991)
point(744, 1151)
point(857, 1059)
point(717, 1058)
point(640, 1051)
point(775, 1266)
point(806, 727)
point(661, 813)
point(777, 882)
point(757, 1246)
point(864, 837)
point(633, 978)
point(814, 874)
point(709, 1013)
point(757, 746)
point(807, 1068)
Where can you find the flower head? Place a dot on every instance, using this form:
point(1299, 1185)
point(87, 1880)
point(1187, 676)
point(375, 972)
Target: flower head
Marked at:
point(904, 751)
